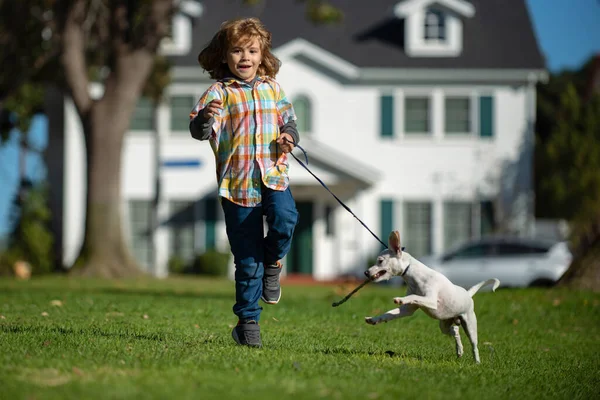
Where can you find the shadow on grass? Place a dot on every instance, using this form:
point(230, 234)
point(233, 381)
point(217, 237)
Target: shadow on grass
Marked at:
point(155, 293)
point(335, 351)
point(93, 331)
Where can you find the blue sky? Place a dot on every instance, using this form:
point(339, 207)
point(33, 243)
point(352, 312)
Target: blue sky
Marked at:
point(568, 31)
point(9, 166)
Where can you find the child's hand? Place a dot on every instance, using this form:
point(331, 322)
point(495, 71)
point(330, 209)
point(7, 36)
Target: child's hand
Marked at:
point(286, 145)
point(212, 108)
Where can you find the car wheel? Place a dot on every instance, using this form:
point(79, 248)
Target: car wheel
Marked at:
point(544, 283)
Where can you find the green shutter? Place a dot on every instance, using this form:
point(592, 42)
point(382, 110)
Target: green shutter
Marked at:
point(486, 116)
point(210, 222)
point(387, 116)
point(387, 218)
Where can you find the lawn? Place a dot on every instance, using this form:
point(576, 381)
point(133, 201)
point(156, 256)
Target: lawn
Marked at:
point(65, 338)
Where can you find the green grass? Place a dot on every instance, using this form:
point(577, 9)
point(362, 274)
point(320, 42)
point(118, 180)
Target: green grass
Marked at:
point(65, 338)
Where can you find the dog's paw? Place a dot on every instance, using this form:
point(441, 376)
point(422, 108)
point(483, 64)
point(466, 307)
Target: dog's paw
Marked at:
point(398, 300)
point(370, 320)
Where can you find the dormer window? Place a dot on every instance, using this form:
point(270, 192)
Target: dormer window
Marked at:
point(435, 26)
point(179, 42)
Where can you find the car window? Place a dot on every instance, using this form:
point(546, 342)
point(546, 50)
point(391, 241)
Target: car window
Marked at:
point(517, 249)
point(471, 251)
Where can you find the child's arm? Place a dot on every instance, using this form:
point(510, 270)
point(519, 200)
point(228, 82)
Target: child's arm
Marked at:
point(205, 117)
point(287, 121)
point(200, 127)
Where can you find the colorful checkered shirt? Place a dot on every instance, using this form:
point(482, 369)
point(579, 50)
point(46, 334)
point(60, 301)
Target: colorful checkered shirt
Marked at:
point(244, 135)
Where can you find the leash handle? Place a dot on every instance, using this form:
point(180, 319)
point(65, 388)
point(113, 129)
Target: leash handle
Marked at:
point(333, 194)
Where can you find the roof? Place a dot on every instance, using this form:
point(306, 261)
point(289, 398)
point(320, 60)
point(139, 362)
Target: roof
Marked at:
point(325, 161)
point(498, 36)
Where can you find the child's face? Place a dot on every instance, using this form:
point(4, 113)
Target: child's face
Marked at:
point(244, 58)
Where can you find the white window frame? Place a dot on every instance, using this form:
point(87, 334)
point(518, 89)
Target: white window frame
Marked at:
point(427, 94)
point(311, 111)
point(434, 25)
point(472, 217)
point(473, 97)
point(195, 90)
point(405, 228)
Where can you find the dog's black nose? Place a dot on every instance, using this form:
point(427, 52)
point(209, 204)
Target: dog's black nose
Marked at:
point(367, 274)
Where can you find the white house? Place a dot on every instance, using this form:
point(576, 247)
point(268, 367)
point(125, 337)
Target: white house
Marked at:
point(418, 114)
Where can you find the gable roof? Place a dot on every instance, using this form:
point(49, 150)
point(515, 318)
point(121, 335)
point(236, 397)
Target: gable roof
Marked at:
point(498, 36)
point(407, 7)
point(332, 166)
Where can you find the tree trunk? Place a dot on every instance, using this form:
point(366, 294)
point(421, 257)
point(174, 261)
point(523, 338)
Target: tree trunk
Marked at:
point(584, 272)
point(104, 252)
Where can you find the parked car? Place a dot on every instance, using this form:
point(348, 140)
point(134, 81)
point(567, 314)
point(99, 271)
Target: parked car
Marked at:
point(517, 262)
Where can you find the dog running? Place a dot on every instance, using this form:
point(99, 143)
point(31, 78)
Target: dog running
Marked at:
point(430, 291)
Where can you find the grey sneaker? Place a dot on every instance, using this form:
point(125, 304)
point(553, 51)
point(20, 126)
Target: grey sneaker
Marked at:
point(271, 288)
point(247, 333)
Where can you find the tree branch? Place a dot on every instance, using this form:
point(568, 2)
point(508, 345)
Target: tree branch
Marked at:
point(159, 23)
point(73, 57)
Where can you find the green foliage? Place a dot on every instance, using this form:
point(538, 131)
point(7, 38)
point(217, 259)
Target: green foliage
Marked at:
point(317, 11)
point(158, 80)
point(177, 265)
point(211, 263)
point(323, 12)
point(550, 102)
point(27, 100)
point(31, 240)
point(571, 155)
point(171, 339)
point(29, 43)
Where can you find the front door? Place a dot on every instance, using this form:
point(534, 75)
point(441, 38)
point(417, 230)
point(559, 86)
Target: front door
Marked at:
point(300, 257)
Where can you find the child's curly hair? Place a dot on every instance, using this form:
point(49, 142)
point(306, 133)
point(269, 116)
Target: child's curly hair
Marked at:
point(231, 33)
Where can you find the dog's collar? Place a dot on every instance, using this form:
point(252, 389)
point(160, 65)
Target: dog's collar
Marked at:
point(405, 271)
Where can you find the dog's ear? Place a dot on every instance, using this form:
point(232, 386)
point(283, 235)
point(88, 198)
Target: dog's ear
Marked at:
point(394, 242)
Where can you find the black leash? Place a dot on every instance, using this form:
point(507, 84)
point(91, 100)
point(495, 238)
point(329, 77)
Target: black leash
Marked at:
point(326, 188)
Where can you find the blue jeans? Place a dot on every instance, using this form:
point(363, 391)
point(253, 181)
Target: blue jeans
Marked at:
point(252, 250)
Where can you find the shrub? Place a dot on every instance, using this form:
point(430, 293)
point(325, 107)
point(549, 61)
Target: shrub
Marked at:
point(31, 240)
point(211, 263)
point(177, 265)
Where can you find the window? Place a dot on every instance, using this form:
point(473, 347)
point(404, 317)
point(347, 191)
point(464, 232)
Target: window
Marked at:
point(181, 225)
point(181, 106)
point(458, 115)
point(435, 26)
point(417, 221)
point(139, 222)
point(471, 251)
point(329, 221)
point(387, 115)
point(518, 249)
point(416, 115)
point(303, 110)
point(457, 223)
point(143, 116)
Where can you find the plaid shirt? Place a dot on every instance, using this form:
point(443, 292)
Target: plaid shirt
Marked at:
point(244, 135)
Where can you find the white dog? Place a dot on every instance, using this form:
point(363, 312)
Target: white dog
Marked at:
point(430, 291)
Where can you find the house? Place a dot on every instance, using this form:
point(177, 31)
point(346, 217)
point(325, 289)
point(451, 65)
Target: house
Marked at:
point(417, 114)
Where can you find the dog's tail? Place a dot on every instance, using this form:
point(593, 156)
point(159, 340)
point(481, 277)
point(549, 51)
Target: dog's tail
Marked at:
point(481, 284)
